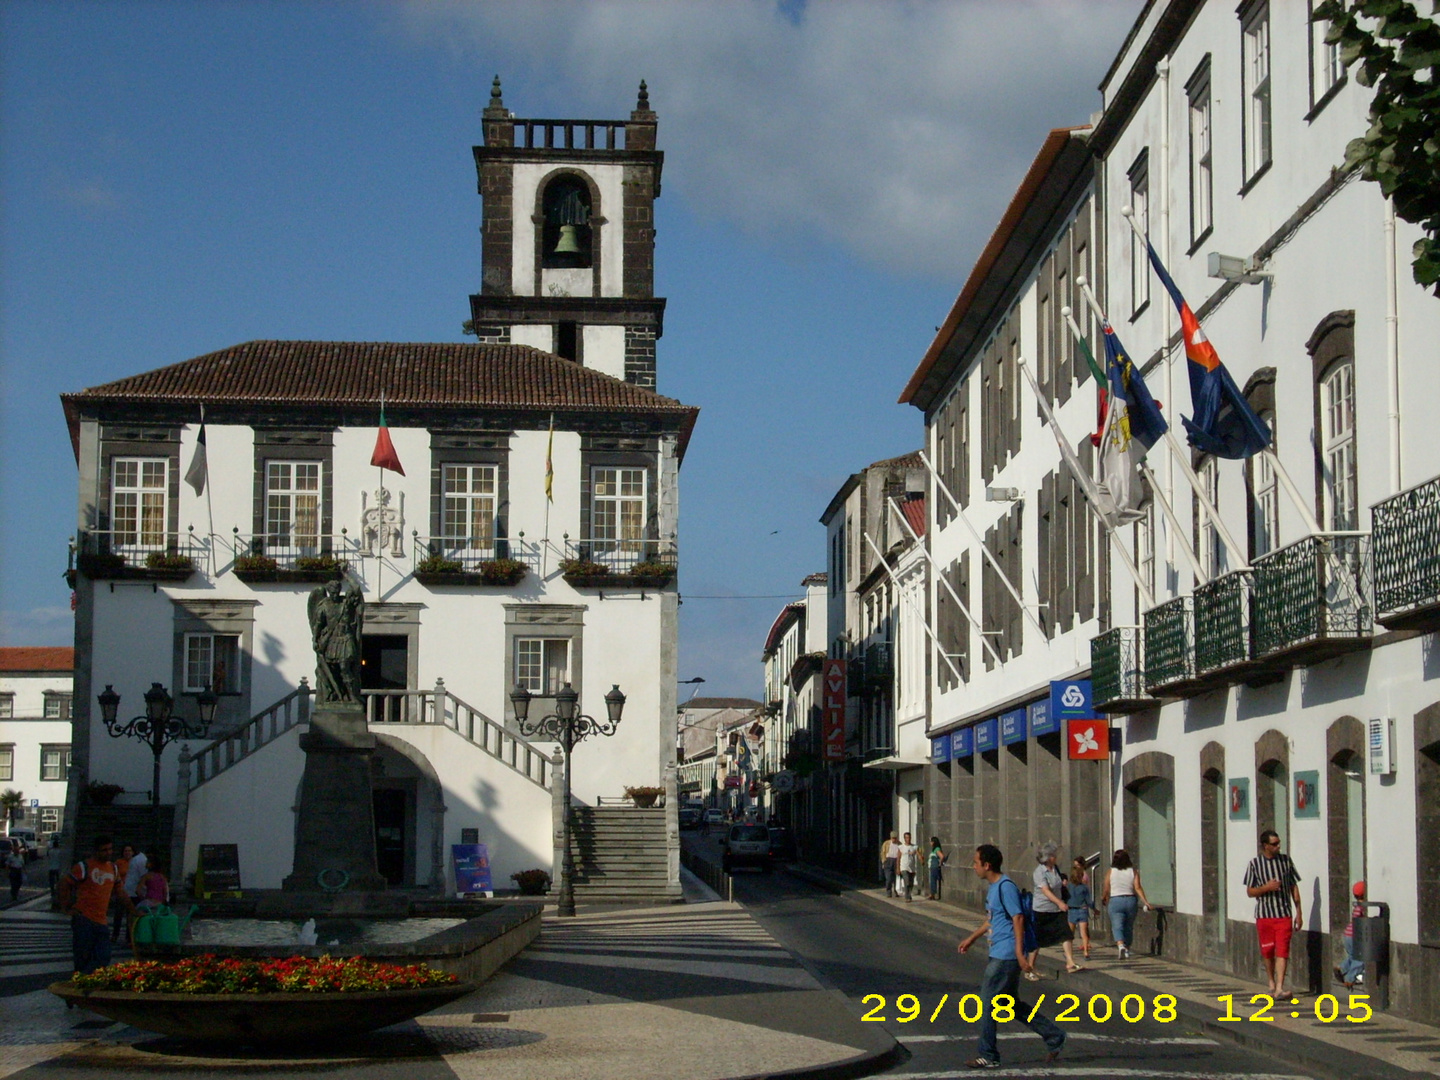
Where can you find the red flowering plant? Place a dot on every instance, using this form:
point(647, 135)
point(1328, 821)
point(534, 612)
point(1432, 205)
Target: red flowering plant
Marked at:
point(231, 975)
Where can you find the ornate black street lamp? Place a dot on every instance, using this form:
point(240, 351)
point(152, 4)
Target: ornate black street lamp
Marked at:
point(159, 727)
point(567, 726)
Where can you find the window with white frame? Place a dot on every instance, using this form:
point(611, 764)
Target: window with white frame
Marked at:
point(57, 705)
point(1326, 69)
point(7, 706)
point(1337, 445)
point(1140, 207)
point(617, 508)
point(292, 505)
point(1255, 88)
point(1265, 514)
point(139, 490)
point(1202, 200)
point(7, 761)
point(1145, 545)
point(542, 665)
point(467, 513)
point(49, 819)
point(54, 762)
point(212, 661)
point(1213, 556)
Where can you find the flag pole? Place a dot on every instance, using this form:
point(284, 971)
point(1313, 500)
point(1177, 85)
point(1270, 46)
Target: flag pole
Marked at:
point(380, 469)
point(894, 581)
point(1178, 453)
point(985, 551)
point(209, 502)
point(1155, 491)
point(1086, 485)
point(944, 581)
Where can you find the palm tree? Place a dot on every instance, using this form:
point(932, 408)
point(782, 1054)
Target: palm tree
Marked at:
point(12, 802)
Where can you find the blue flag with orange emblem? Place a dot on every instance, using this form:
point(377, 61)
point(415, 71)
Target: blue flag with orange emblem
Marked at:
point(1224, 423)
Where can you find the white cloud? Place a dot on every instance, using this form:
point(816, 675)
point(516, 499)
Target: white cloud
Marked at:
point(37, 626)
point(897, 131)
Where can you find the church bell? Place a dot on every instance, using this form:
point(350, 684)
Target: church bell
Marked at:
point(567, 244)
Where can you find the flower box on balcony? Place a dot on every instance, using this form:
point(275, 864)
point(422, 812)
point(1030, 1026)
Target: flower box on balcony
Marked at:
point(316, 569)
point(110, 566)
point(501, 573)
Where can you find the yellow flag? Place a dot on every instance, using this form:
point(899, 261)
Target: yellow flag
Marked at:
point(550, 463)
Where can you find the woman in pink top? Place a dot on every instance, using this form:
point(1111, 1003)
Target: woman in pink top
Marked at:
point(153, 890)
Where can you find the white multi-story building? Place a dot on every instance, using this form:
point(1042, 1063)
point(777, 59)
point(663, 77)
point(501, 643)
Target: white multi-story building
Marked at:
point(793, 656)
point(35, 696)
point(532, 540)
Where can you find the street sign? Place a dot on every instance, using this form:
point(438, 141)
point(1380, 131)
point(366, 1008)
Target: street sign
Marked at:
point(783, 782)
point(832, 695)
point(962, 743)
point(987, 734)
point(1012, 726)
point(1043, 719)
point(34, 804)
point(1088, 740)
point(1071, 700)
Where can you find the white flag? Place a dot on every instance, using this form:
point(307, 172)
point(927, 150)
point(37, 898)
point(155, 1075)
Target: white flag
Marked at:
point(199, 471)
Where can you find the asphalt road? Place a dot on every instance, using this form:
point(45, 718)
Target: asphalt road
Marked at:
point(859, 948)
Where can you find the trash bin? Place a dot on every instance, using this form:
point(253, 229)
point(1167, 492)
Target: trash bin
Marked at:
point(1372, 937)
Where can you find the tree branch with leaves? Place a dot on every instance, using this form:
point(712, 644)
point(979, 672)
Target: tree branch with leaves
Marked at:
point(1391, 47)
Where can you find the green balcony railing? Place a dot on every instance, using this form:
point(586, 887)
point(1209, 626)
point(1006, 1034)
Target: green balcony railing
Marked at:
point(1316, 591)
point(1222, 622)
point(1116, 673)
point(1407, 551)
point(1170, 643)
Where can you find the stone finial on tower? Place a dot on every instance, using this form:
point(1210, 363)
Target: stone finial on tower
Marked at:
point(496, 108)
point(643, 111)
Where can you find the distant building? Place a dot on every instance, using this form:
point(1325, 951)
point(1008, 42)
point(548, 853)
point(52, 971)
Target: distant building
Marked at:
point(35, 702)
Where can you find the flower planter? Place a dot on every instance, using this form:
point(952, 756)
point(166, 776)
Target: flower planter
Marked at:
point(644, 802)
point(271, 576)
point(108, 567)
point(472, 579)
point(618, 581)
point(265, 1017)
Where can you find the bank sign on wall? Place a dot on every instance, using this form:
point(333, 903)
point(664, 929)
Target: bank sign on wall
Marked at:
point(832, 699)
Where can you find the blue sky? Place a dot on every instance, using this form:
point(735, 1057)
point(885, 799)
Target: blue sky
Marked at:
point(179, 177)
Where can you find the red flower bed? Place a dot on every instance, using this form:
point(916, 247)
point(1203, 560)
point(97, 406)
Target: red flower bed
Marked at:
point(295, 974)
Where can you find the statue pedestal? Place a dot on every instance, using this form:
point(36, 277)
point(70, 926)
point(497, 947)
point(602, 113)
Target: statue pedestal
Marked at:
point(335, 831)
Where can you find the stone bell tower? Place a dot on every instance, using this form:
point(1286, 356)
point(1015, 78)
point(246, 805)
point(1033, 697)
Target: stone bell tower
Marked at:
point(569, 238)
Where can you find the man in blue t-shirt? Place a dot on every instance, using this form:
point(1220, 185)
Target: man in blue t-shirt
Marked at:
point(1005, 924)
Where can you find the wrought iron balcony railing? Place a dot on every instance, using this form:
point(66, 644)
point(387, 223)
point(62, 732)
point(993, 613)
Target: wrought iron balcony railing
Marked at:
point(473, 552)
point(1313, 598)
point(623, 556)
point(1222, 623)
point(1407, 557)
point(1170, 645)
point(117, 553)
point(1116, 669)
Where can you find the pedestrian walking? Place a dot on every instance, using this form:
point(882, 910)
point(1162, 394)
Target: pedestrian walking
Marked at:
point(1078, 903)
point(935, 863)
point(888, 856)
point(85, 895)
point(153, 889)
point(905, 857)
point(1005, 925)
point(15, 866)
point(1121, 895)
point(1050, 907)
point(1352, 970)
point(1273, 882)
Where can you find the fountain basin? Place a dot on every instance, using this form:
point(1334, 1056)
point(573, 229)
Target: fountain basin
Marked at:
point(262, 1018)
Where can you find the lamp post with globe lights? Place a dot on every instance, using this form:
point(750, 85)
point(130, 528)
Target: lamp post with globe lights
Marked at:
point(567, 726)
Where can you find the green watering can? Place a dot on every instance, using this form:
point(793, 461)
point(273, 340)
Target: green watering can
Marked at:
point(162, 926)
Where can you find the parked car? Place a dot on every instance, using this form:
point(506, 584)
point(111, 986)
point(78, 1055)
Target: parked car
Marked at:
point(714, 817)
point(782, 843)
point(25, 839)
point(746, 845)
point(690, 818)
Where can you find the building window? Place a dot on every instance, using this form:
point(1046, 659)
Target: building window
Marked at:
point(1213, 556)
point(212, 661)
point(138, 492)
point(1145, 545)
point(1265, 528)
point(617, 509)
point(57, 705)
point(1337, 446)
point(1326, 69)
point(468, 509)
point(54, 762)
point(542, 665)
point(1201, 176)
point(1255, 89)
point(7, 761)
point(7, 706)
point(292, 505)
point(49, 819)
point(1140, 208)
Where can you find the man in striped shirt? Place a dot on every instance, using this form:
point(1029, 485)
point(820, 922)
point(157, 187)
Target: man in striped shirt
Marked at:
point(1273, 881)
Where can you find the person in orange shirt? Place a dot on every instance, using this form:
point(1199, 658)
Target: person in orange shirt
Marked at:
point(85, 896)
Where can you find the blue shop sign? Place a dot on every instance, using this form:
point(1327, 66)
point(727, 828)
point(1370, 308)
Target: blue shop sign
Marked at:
point(1043, 720)
point(962, 743)
point(987, 734)
point(1071, 700)
point(940, 750)
point(1012, 726)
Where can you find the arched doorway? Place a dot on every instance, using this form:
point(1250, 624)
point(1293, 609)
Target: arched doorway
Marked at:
point(1149, 808)
point(1214, 880)
point(409, 816)
point(1272, 786)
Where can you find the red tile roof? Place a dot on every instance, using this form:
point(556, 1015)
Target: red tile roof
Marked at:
point(788, 614)
point(425, 374)
point(37, 658)
point(913, 507)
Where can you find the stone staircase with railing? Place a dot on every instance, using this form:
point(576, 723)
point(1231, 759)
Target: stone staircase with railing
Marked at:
point(621, 855)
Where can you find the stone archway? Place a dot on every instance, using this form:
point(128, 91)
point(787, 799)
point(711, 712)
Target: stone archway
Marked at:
point(429, 833)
